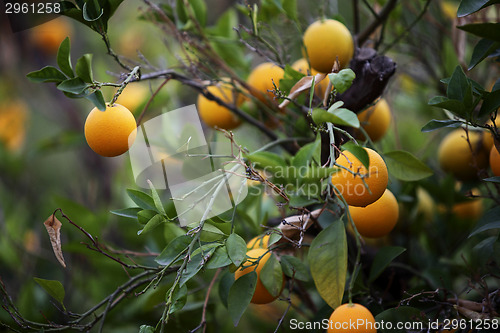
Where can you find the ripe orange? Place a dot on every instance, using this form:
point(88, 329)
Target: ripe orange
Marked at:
point(456, 157)
point(325, 40)
point(261, 80)
point(216, 115)
point(258, 242)
point(134, 96)
point(13, 118)
point(495, 161)
point(351, 318)
point(379, 218)
point(110, 133)
point(352, 187)
point(375, 120)
point(472, 209)
point(48, 36)
point(302, 66)
point(261, 295)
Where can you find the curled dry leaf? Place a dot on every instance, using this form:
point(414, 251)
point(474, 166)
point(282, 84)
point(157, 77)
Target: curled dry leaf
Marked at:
point(53, 226)
point(302, 85)
point(293, 225)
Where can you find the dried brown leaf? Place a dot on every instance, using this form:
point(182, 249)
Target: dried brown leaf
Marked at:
point(302, 85)
point(294, 224)
point(53, 226)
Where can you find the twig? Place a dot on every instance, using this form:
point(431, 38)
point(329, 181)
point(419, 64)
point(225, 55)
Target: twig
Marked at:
point(379, 19)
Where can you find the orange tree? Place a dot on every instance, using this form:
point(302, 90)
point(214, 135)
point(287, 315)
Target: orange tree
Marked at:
point(305, 157)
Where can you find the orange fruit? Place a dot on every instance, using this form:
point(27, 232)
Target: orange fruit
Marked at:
point(352, 187)
point(324, 41)
point(258, 242)
point(351, 318)
point(377, 219)
point(471, 209)
point(261, 295)
point(216, 115)
point(48, 36)
point(456, 157)
point(375, 120)
point(495, 161)
point(13, 118)
point(261, 80)
point(110, 133)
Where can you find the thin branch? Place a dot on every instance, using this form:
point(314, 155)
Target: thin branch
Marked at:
point(382, 16)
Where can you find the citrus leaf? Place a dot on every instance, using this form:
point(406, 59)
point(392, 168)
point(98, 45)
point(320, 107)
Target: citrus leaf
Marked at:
point(265, 159)
point(483, 49)
point(127, 212)
point(220, 258)
point(383, 258)
point(401, 314)
point(64, 58)
point(152, 223)
point(146, 329)
point(74, 86)
point(484, 30)
point(328, 263)
point(359, 152)
point(142, 199)
point(54, 288)
point(491, 102)
point(236, 248)
point(156, 199)
point(436, 124)
point(46, 74)
point(307, 153)
point(145, 215)
point(294, 268)
point(179, 298)
point(226, 281)
point(404, 166)
point(338, 116)
point(490, 220)
point(172, 250)
point(342, 80)
point(84, 68)
point(240, 295)
point(492, 179)
point(271, 276)
point(471, 6)
point(97, 99)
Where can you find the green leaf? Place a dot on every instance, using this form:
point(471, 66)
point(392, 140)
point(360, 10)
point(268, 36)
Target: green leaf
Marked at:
point(145, 215)
point(220, 258)
point(74, 86)
point(490, 220)
point(84, 68)
point(64, 58)
point(455, 106)
point(483, 49)
point(307, 153)
point(290, 8)
point(46, 74)
point(383, 258)
point(236, 248)
point(194, 265)
point(359, 152)
point(142, 199)
point(406, 167)
point(293, 267)
point(342, 80)
point(225, 284)
point(127, 212)
point(394, 316)
point(54, 288)
point(225, 24)
point(492, 179)
point(491, 102)
point(267, 160)
point(197, 8)
point(436, 124)
point(458, 85)
point(152, 223)
point(468, 7)
point(179, 298)
point(172, 250)
point(240, 295)
point(328, 263)
point(146, 329)
point(92, 11)
point(338, 116)
point(483, 30)
point(97, 99)
point(209, 232)
point(271, 276)
point(156, 199)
